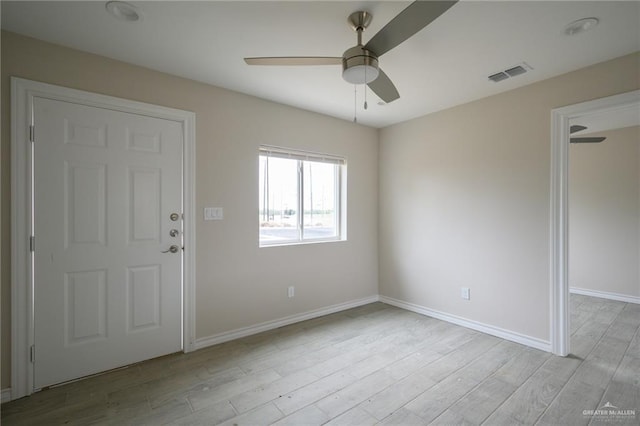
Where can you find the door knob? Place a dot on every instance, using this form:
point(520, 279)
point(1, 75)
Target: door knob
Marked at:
point(174, 233)
point(173, 249)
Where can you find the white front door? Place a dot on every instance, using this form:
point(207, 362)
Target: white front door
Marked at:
point(106, 184)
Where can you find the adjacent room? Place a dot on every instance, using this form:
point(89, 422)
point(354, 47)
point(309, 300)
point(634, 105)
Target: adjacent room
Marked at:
point(320, 212)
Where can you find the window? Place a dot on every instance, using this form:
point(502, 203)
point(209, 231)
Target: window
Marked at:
point(300, 197)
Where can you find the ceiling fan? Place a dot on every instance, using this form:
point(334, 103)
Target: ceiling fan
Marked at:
point(577, 128)
point(360, 63)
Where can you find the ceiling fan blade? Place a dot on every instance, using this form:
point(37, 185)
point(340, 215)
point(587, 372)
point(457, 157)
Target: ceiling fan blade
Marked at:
point(384, 88)
point(415, 17)
point(294, 60)
point(587, 140)
point(576, 128)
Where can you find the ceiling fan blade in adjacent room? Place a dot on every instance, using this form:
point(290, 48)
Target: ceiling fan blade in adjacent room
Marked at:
point(415, 17)
point(384, 88)
point(294, 60)
point(576, 128)
point(587, 140)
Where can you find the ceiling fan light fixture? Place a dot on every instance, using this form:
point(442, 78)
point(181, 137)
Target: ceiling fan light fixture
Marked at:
point(359, 66)
point(360, 74)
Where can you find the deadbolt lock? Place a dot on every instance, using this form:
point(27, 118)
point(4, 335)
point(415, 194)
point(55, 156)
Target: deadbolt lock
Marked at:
point(174, 216)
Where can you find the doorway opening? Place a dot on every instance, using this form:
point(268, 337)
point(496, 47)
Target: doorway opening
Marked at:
point(561, 121)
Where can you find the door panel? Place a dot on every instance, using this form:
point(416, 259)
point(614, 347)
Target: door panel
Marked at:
point(105, 185)
point(86, 202)
point(85, 306)
point(143, 300)
point(144, 206)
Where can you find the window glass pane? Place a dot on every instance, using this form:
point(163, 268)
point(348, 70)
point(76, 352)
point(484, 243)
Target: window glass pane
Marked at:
point(299, 196)
point(278, 198)
point(320, 209)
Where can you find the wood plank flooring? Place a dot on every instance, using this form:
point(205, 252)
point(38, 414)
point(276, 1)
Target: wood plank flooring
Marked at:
point(375, 364)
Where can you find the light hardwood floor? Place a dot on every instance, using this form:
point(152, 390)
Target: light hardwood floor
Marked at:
point(375, 364)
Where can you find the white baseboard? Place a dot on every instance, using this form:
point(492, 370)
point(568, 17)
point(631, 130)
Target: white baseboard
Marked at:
point(533, 342)
point(6, 395)
point(474, 325)
point(204, 342)
point(605, 295)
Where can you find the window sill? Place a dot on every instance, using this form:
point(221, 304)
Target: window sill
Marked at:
point(301, 243)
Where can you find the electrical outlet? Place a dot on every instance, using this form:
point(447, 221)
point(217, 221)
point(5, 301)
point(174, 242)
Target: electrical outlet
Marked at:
point(465, 293)
point(291, 291)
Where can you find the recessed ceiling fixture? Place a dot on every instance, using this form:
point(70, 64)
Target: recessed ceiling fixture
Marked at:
point(123, 11)
point(580, 26)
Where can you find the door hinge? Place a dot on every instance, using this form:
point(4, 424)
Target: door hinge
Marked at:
point(32, 133)
point(32, 243)
point(32, 353)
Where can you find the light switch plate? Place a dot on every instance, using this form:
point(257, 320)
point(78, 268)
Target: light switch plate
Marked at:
point(213, 213)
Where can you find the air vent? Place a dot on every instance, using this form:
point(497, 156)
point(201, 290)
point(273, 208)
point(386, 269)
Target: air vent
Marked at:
point(498, 77)
point(515, 71)
point(511, 72)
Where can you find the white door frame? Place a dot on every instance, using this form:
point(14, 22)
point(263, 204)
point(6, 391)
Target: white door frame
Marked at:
point(560, 117)
point(23, 93)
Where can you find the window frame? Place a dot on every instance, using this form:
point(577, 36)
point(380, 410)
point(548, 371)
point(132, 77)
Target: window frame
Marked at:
point(301, 157)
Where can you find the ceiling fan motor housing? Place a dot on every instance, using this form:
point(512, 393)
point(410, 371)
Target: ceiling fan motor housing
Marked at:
point(359, 66)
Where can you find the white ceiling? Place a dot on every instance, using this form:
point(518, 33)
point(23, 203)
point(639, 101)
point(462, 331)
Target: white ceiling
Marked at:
point(445, 64)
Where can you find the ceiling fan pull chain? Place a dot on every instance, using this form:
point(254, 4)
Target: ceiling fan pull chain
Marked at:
point(365, 88)
point(355, 103)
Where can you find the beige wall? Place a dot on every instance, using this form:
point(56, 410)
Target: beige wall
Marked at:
point(604, 213)
point(463, 195)
point(238, 284)
point(464, 200)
